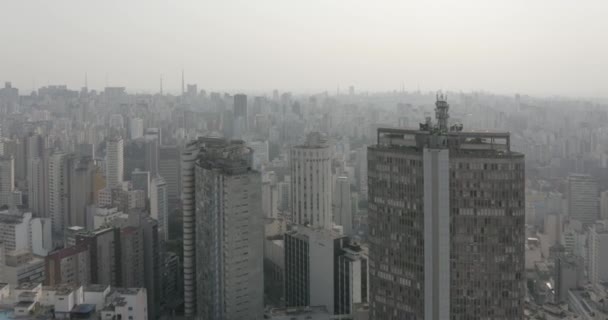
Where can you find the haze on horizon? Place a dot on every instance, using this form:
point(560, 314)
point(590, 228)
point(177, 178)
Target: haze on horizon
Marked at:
point(539, 47)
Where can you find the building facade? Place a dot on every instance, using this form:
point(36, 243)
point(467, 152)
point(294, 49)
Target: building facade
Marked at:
point(311, 182)
point(229, 234)
point(446, 219)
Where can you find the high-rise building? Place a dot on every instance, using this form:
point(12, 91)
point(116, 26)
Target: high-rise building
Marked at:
point(228, 231)
point(58, 190)
point(132, 257)
point(114, 162)
point(229, 234)
point(81, 174)
point(343, 213)
point(240, 106)
point(141, 181)
point(136, 128)
point(168, 168)
point(583, 198)
point(446, 223)
point(7, 180)
point(159, 209)
point(311, 182)
point(104, 247)
point(598, 252)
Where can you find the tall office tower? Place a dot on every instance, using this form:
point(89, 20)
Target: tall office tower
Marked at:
point(141, 181)
point(58, 186)
point(114, 162)
point(151, 154)
point(104, 246)
point(311, 182)
point(81, 174)
point(583, 198)
point(229, 233)
point(188, 157)
point(152, 265)
point(132, 257)
point(604, 205)
point(598, 253)
point(362, 171)
point(223, 231)
point(159, 208)
point(136, 128)
point(446, 220)
point(7, 180)
point(343, 212)
point(38, 186)
point(240, 106)
point(168, 168)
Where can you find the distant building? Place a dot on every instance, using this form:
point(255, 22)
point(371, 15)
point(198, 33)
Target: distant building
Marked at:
point(342, 205)
point(583, 198)
point(7, 180)
point(598, 253)
point(114, 162)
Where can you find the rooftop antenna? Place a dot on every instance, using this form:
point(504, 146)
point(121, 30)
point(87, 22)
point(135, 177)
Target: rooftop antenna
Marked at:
point(441, 111)
point(182, 82)
point(86, 81)
point(161, 84)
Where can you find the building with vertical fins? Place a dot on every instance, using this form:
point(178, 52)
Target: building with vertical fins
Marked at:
point(311, 182)
point(446, 219)
point(223, 231)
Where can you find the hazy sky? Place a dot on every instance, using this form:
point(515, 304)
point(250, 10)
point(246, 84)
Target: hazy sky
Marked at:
point(539, 47)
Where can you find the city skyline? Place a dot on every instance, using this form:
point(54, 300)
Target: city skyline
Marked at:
point(543, 48)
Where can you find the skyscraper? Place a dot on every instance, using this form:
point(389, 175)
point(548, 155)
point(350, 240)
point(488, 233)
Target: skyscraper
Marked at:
point(168, 168)
point(311, 182)
point(58, 184)
point(159, 209)
point(228, 231)
point(7, 180)
point(114, 162)
point(583, 198)
point(446, 220)
point(81, 174)
point(343, 213)
point(229, 234)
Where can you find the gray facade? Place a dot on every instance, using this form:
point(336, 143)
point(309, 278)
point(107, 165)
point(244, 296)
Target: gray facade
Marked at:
point(446, 218)
point(228, 233)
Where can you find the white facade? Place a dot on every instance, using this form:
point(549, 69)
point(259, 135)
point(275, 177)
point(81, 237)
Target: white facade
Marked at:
point(311, 182)
point(114, 162)
point(343, 213)
point(15, 230)
point(41, 236)
point(260, 153)
point(136, 128)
